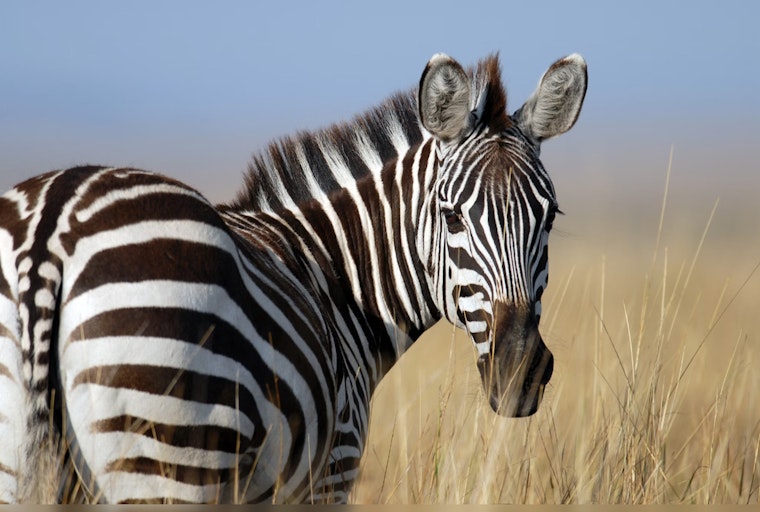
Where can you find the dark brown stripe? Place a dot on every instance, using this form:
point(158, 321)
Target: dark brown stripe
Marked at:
point(358, 244)
point(224, 339)
point(205, 437)
point(394, 195)
point(10, 222)
point(61, 190)
point(333, 268)
point(124, 178)
point(9, 214)
point(164, 259)
point(163, 206)
point(408, 178)
point(194, 327)
point(345, 143)
point(165, 381)
point(187, 474)
point(318, 164)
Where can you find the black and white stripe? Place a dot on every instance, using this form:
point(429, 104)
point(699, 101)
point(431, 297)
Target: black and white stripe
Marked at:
point(228, 353)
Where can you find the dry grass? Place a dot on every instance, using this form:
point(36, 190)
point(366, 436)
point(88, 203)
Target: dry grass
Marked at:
point(654, 398)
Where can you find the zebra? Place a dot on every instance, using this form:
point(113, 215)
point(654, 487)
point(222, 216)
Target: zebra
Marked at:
point(220, 353)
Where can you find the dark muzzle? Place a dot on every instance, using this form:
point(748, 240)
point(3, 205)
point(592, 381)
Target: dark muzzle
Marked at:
point(519, 365)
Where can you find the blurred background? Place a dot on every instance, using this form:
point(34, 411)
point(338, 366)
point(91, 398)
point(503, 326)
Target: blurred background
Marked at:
point(191, 89)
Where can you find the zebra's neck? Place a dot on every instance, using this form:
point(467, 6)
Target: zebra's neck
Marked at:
point(368, 233)
point(351, 196)
point(359, 244)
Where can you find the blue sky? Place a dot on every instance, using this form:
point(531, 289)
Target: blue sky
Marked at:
point(191, 89)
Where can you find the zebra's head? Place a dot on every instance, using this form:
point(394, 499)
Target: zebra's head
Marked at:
point(490, 213)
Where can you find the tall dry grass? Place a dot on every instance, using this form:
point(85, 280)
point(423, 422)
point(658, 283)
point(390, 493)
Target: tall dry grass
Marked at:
point(654, 398)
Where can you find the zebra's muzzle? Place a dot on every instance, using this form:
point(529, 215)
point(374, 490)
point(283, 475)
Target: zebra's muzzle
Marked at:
point(517, 369)
point(516, 392)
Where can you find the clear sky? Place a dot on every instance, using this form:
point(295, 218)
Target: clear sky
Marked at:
point(192, 88)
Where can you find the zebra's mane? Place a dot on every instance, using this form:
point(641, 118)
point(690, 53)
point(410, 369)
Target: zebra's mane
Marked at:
point(311, 164)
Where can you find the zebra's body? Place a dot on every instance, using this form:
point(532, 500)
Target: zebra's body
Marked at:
point(230, 353)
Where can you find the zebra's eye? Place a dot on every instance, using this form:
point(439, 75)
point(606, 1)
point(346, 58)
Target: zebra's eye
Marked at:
point(549, 221)
point(550, 218)
point(453, 220)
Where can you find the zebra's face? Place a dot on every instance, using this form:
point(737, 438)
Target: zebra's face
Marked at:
point(495, 208)
point(491, 211)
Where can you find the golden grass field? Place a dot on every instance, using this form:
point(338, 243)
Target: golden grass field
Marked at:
point(655, 393)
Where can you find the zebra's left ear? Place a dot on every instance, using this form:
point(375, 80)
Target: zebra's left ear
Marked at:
point(554, 106)
point(444, 99)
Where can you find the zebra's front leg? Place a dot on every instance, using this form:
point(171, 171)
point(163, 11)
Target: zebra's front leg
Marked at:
point(342, 468)
point(338, 476)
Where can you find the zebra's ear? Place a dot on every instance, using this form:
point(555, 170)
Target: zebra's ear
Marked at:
point(444, 99)
point(554, 106)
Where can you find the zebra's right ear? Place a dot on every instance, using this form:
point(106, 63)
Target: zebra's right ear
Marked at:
point(554, 106)
point(444, 99)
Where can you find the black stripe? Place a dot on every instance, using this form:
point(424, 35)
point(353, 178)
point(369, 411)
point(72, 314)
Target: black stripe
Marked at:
point(187, 474)
point(206, 437)
point(318, 164)
point(169, 259)
point(164, 206)
point(347, 149)
point(166, 381)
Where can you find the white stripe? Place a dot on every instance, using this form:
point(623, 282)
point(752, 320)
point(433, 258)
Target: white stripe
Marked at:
point(134, 444)
point(335, 162)
point(367, 152)
point(8, 262)
point(475, 327)
point(103, 402)
point(120, 486)
point(475, 302)
point(396, 134)
point(483, 348)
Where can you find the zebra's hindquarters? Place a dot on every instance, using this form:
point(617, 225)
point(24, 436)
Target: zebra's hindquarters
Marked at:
point(126, 284)
point(154, 406)
point(124, 293)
